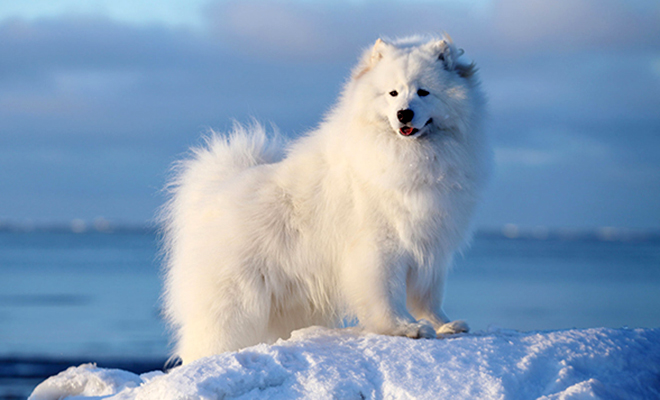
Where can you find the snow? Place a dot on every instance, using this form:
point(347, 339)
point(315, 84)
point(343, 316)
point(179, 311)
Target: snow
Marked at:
point(321, 363)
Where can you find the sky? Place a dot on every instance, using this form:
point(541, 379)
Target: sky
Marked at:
point(99, 98)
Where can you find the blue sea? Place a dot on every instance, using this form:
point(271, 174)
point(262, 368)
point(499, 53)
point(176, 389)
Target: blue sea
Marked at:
point(69, 297)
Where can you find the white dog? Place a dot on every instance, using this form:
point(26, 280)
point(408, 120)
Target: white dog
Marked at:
point(357, 219)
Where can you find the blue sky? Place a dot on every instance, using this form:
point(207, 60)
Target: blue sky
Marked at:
point(98, 98)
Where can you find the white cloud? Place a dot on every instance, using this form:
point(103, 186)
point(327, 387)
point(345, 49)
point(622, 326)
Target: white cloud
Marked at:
point(573, 87)
point(269, 28)
point(514, 27)
point(571, 25)
point(171, 12)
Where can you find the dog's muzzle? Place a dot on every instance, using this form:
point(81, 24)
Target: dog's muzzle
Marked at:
point(409, 130)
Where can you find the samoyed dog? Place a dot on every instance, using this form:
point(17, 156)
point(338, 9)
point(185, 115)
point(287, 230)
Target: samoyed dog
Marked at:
point(357, 219)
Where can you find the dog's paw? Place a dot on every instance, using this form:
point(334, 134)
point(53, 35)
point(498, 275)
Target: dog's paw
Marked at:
point(452, 328)
point(421, 329)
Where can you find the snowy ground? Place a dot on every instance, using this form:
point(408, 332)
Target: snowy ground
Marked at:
point(319, 363)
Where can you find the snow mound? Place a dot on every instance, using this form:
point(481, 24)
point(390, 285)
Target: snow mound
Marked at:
point(320, 363)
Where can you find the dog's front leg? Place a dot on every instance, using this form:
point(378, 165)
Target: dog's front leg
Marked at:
point(375, 289)
point(425, 299)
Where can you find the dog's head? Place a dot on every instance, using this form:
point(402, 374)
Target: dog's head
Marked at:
point(418, 86)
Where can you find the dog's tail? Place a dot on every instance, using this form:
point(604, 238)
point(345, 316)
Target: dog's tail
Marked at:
point(219, 158)
point(225, 155)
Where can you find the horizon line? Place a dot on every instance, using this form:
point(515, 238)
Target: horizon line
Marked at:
point(508, 231)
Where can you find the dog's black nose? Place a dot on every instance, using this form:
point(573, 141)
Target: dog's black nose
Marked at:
point(405, 116)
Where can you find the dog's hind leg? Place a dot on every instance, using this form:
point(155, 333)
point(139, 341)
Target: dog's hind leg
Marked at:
point(232, 316)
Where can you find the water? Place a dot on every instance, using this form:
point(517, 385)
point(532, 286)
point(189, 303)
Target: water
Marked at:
point(95, 296)
point(528, 284)
point(64, 294)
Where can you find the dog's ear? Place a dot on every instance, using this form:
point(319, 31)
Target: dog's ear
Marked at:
point(371, 58)
point(448, 54)
point(377, 51)
point(445, 52)
point(466, 71)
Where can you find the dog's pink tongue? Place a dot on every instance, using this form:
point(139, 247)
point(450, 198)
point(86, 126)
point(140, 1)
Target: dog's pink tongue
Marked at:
point(406, 130)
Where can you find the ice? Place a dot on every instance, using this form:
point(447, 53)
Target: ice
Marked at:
point(320, 363)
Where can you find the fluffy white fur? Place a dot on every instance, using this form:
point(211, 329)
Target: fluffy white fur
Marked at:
point(354, 220)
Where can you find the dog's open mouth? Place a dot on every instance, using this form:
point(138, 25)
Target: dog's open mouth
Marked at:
point(409, 130)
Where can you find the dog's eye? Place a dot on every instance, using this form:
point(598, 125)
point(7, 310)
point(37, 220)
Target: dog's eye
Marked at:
point(422, 93)
point(394, 93)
